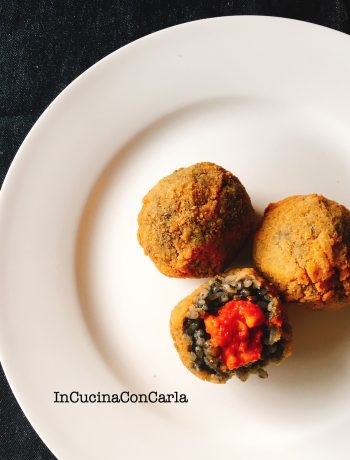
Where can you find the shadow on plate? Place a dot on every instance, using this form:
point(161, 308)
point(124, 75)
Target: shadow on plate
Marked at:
point(320, 345)
point(309, 388)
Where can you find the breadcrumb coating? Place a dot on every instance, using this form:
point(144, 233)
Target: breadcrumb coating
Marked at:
point(193, 222)
point(303, 248)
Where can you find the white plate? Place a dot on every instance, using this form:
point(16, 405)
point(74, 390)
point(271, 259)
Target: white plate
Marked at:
point(83, 309)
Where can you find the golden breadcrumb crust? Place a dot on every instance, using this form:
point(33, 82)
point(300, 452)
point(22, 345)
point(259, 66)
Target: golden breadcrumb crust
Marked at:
point(303, 248)
point(194, 221)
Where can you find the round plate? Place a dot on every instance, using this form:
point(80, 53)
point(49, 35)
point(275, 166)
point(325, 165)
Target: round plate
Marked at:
point(82, 309)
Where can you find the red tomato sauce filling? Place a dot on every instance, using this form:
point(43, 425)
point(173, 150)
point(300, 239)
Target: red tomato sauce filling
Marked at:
point(237, 329)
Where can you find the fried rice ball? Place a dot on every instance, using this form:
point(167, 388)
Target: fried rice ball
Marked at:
point(303, 248)
point(231, 325)
point(193, 222)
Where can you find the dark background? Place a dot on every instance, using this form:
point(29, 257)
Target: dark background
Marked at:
point(44, 45)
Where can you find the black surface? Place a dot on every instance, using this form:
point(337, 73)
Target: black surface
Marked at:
point(44, 45)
